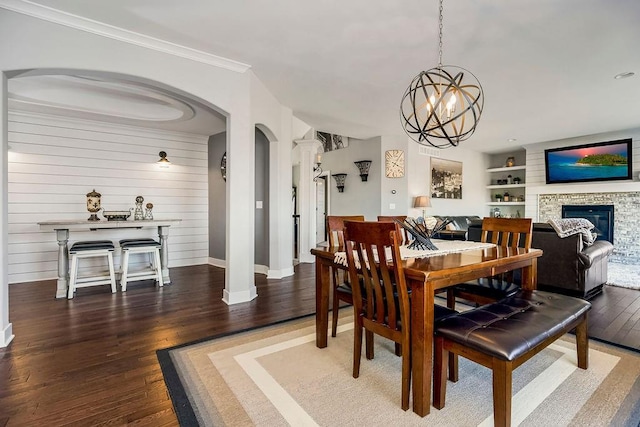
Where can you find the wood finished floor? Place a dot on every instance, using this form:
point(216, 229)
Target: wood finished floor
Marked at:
point(91, 360)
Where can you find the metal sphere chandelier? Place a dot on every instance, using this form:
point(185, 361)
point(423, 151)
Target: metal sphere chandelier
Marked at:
point(442, 106)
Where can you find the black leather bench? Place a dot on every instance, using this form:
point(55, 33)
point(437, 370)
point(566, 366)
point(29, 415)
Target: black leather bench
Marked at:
point(504, 335)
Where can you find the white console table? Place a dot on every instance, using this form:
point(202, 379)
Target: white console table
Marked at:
point(62, 229)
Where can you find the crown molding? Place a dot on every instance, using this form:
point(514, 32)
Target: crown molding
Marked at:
point(49, 14)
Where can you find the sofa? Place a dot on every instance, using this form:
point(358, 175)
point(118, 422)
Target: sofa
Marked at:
point(457, 228)
point(567, 265)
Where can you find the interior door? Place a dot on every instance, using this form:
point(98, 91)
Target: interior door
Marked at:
point(321, 209)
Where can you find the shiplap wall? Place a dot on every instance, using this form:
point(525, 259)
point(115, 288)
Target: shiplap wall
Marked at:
point(54, 162)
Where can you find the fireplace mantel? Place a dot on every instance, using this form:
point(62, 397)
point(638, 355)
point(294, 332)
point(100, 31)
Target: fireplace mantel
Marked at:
point(592, 187)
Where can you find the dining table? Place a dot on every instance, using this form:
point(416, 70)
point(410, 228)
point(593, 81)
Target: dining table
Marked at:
point(426, 276)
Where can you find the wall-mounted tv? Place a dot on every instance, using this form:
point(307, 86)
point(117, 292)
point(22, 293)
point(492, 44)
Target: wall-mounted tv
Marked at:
point(602, 161)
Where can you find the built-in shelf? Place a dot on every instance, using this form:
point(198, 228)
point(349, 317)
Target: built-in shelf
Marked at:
point(506, 169)
point(507, 209)
point(496, 186)
point(505, 203)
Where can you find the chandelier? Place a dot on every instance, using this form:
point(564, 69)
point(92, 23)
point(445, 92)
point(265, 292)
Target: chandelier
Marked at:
point(442, 106)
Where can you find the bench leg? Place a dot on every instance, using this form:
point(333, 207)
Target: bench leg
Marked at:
point(582, 343)
point(502, 382)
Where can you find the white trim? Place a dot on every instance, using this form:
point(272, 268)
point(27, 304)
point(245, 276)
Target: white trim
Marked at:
point(7, 336)
point(45, 13)
point(217, 262)
point(260, 269)
point(279, 274)
point(238, 297)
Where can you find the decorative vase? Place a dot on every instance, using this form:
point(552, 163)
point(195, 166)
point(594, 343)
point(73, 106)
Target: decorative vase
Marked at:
point(93, 205)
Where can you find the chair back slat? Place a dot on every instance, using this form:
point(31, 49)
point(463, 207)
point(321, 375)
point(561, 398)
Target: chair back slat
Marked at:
point(383, 300)
point(508, 232)
point(335, 228)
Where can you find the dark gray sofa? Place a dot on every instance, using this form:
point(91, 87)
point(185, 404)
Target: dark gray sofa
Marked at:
point(567, 266)
point(461, 225)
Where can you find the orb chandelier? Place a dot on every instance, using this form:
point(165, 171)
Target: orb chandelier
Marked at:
point(442, 106)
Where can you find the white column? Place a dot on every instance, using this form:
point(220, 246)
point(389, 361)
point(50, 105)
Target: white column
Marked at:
point(307, 198)
point(6, 329)
point(240, 195)
point(280, 202)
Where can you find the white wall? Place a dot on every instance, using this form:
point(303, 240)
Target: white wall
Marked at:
point(474, 179)
point(54, 162)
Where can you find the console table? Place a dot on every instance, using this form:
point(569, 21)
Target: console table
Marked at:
point(62, 229)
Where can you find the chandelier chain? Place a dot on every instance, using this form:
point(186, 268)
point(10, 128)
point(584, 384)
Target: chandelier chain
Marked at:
point(440, 37)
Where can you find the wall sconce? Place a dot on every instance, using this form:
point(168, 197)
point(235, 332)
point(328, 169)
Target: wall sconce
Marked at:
point(422, 202)
point(163, 162)
point(363, 167)
point(340, 178)
point(317, 170)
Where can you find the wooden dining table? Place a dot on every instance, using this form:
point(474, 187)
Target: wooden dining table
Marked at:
point(425, 276)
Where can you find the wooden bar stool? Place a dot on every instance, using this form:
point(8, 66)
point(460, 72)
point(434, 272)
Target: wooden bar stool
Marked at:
point(140, 246)
point(91, 249)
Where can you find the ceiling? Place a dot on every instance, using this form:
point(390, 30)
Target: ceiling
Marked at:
point(547, 66)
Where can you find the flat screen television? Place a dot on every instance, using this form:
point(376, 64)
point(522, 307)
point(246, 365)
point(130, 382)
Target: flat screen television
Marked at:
point(602, 161)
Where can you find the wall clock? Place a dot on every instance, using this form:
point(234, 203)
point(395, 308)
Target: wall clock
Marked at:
point(394, 163)
point(223, 166)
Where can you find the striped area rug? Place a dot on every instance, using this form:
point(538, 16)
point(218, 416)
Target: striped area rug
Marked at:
point(275, 376)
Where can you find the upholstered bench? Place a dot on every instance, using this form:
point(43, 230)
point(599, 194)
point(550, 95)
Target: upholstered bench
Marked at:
point(503, 335)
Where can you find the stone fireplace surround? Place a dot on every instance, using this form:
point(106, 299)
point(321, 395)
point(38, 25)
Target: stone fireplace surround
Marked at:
point(626, 222)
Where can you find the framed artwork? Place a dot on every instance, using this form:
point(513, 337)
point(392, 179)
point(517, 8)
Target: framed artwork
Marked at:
point(331, 141)
point(446, 179)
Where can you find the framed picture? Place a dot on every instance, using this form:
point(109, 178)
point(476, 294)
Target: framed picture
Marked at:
point(331, 141)
point(602, 161)
point(446, 179)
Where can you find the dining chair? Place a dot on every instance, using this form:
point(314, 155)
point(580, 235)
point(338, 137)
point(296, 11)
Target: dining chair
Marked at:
point(382, 303)
point(341, 288)
point(401, 218)
point(505, 232)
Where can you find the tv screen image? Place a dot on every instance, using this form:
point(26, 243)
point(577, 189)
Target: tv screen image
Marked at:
point(602, 161)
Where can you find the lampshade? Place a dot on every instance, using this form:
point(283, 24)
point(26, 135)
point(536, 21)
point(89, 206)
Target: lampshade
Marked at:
point(422, 202)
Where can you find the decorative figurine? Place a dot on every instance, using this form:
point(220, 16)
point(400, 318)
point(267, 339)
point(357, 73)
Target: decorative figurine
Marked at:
point(93, 205)
point(138, 214)
point(148, 214)
point(510, 162)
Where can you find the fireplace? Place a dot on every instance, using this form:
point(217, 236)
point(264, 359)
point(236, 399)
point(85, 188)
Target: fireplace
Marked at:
point(601, 216)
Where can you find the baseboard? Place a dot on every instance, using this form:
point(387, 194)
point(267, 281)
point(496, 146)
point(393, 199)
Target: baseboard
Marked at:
point(7, 336)
point(239, 297)
point(279, 274)
point(257, 268)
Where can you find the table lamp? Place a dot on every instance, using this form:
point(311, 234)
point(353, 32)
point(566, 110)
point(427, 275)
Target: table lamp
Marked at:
point(422, 202)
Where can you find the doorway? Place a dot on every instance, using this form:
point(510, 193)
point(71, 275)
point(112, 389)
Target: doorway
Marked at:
point(322, 207)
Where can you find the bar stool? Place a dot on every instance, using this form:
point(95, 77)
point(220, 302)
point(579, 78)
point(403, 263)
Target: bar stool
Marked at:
point(140, 246)
point(91, 249)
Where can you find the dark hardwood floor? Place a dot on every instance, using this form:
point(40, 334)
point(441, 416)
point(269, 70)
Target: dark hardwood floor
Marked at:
point(92, 361)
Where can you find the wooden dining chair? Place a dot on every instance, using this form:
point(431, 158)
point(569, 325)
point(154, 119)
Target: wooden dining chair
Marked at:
point(382, 303)
point(341, 289)
point(505, 232)
point(401, 218)
point(382, 306)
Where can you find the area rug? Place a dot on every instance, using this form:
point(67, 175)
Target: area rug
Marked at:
point(275, 376)
point(623, 275)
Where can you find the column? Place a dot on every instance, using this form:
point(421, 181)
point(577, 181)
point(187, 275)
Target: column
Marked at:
point(307, 198)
